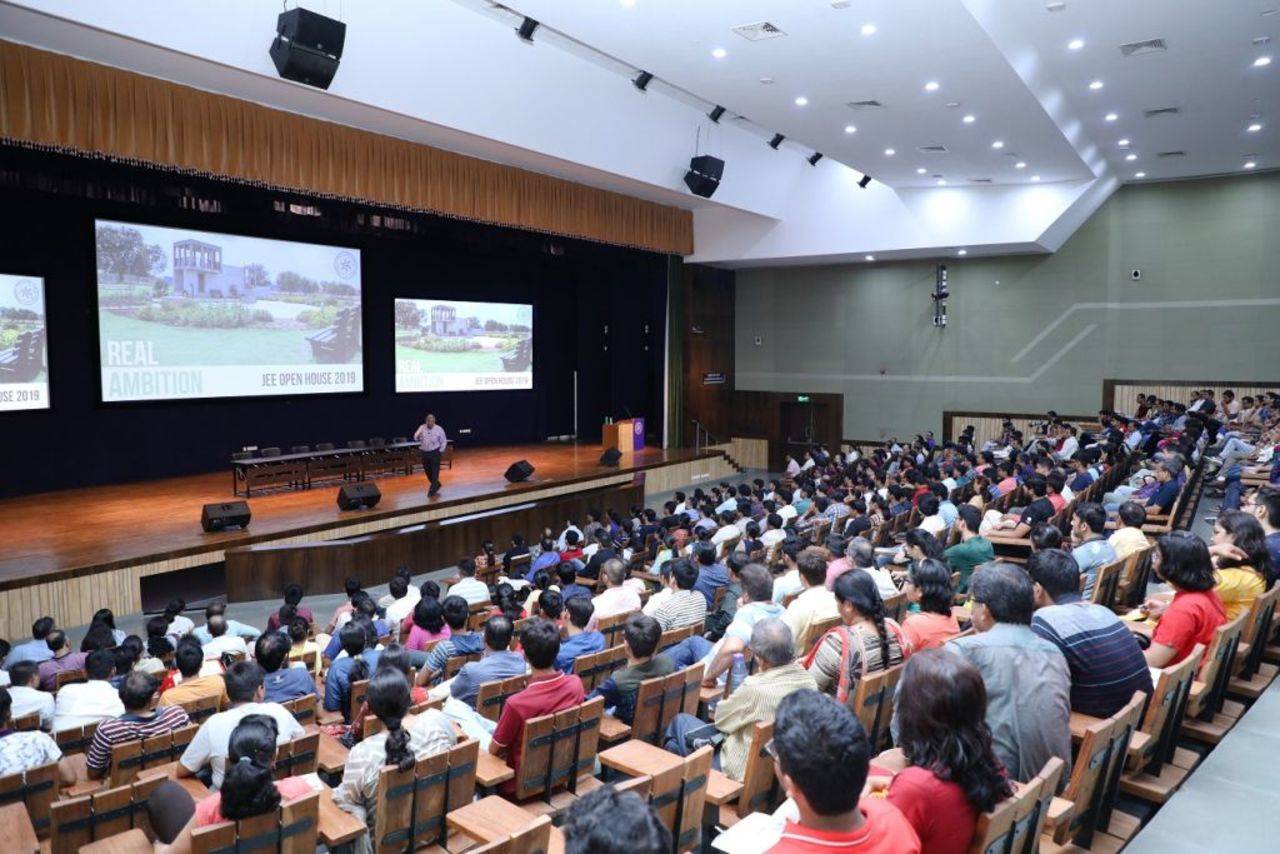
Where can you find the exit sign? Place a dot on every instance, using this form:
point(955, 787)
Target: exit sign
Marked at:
point(802, 398)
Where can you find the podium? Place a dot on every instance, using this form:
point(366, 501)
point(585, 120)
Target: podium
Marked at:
point(626, 435)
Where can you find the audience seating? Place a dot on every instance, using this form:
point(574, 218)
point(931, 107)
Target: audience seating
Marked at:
point(292, 828)
point(373, 724)
point(873, 703)
point(78, 821)
point(595, 667)
point(492, 696)
point(76, 739)
point(658, 701)
point(611, 628)
point(129, 758)
point(1017, 820)
point(412, 804)
point(558, 753)
point(1210, 715)
point(1150, 771)
point(201, 709)
point(303, 709)
point(1252, 675)
point(66, 677)
point(36, 788)
point(758, 791)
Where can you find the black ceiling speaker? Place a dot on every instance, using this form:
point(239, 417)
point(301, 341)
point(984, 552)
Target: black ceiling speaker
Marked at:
point(716, 113)
point(704, 174)
point(307, 47)
point(527, 26)
point(776, 141)
point(610, 457)
point(864, 181)
point(814, 158)
point(642, 80)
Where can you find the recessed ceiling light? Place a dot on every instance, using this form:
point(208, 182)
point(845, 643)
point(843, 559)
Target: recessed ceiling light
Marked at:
point(1019, 165)
point(869, 257)
point(998, 144)
point(1139, 174)
point(921, 170)
point(969, 119)
point(850, 129)
point(1249, 164)
point(1095, 85)
point(1123, 142)
point(1075, 44)
point(1111, 117)
point(963, 252)
point(767, 81)
point(868, 29)
point(1262, 62)
point(1131, 157)
point(1035, 177)
point(802, 101)
point(931, 86)
point(719, 53)
point(1255, 127)
point(889, 152)
point(942, 182)
point(627, 3)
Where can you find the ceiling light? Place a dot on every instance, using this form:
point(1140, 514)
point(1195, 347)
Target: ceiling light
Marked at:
point(1075, 44)
point(998, 144)
point(921, 170)
point(963, 252)
point(889, 152)
point(766, 81)
point(1254, 128)
point(969, 119)
point(942, 182)
point(802, 101)
point(1095, 85)
point(1250, 164)
point(869, 257)
point(1131, 157)
point(1262, 62)
point(1019, 165)
point(1139, 174)
point(719, 53)
point(1111, 117)
point(850, 129)
point(1123, 143)
point(627, 3)
point(1035, 177)
point(868, 29)
point(931, 86)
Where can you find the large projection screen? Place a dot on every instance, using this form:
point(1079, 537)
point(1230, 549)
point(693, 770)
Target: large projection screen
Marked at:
point(450, 345)
point(24, 353)
point(192, 314)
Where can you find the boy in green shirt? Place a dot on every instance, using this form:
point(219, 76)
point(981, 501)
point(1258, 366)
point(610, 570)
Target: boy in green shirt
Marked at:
point(972, 550)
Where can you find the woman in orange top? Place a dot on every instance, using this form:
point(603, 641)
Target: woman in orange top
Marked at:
point(928, 585)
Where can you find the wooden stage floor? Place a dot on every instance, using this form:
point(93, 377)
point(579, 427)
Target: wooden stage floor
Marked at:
point(57, 535)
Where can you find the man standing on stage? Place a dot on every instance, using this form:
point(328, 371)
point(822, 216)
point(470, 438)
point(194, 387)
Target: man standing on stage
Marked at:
point(431, 439)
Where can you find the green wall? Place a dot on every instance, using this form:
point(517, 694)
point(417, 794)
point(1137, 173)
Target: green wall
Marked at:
point(865, 330)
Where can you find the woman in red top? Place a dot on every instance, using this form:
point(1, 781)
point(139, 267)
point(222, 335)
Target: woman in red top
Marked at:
point(952, 774)
point(929, 586)
point(1182, 559)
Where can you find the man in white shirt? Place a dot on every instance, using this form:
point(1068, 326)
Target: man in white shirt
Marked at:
point(618, 597)
point(468, 587)
point(402, 600)
point(27, 697)
point(787, 512)
point(221, 640)
point(1069, 445)
point(728, 530)
point(244, 689)
point(931, 520)
point(773, 531)
point(80, 703)
point(562, 544)
point(789, 582)
point(179, 626)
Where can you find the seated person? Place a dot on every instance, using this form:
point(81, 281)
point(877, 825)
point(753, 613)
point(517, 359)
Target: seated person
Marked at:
point(578, 640)
point(404, 598)
point(300, 646)
point(1169, 484)
point(607, 821)
point(821, 757)
point(1039, 510)
point(549, 691)
point(460, 641)
point(138, 721)
point(96, 699)
point(360, 660)
point(952, 774)
point(362, 607)
point(36, 649)
point(684, 606)
point(928, 586)
point(973, 548)
point(546, 559)
point(567, 572)
point(210, 746)
point(428, 625)
point(26, 696)
point(867, 641)
point(755, 700)
point(292, 596)
point(1195, 611)
point(604, 551)
point(1045, 536)
point(549, 606)
point(222, 641)
point(789, 581)
point(1128, 537)
point(468, 586)
point(234, 627)
point(755, 605)
point(815, 602)
point(189, 685)
point(61, 658)
point(22, 750)
point(1092, 550)
point(281, 682)
point(619, 596)
point(1242, 560)
point(498, 662)
point(711, 574)
point(570, 545)
point(641, 635)
point(395, 657)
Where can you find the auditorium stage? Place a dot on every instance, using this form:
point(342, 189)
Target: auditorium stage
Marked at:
point(71, 552)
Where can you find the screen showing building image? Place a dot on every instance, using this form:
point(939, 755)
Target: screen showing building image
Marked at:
point(448, 345)
point(191, 314)
point(24, 350)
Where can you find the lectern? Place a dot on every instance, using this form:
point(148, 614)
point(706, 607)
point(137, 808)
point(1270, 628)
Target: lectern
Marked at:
point(626, 435)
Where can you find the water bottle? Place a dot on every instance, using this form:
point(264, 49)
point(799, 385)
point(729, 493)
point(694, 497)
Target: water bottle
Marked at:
point(738, 672)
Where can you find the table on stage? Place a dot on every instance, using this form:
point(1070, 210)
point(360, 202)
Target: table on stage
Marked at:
point(299, 471)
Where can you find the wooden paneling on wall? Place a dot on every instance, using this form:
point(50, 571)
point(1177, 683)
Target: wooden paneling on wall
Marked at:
point(988, 425)
point(1122, 395)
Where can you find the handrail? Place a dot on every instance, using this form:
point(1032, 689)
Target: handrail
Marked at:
point(701, 436)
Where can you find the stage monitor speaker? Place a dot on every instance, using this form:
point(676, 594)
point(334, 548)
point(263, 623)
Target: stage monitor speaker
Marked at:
point(307, 47)
point(704, 174)
point(230, 514)
point(518, 471)
point(610, 457)
point(358, 496)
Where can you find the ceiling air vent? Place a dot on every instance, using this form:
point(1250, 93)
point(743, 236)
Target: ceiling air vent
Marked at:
point(1171, 154)
point(871, 104)
point(1144, 47)
point(979, 180)
point(1162, 111)
point(759, 32)
point(932, 149)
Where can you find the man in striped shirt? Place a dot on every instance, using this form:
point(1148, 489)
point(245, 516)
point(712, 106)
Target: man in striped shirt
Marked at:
point(685, 606)
point(1106, 663)
point(137, 722)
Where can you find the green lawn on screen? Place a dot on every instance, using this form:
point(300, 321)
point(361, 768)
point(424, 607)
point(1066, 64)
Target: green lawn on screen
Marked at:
point(175, 346)
point(471, 362)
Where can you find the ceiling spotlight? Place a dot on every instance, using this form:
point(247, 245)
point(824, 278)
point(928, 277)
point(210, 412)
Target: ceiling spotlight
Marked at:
point(963, 252)
point(527, 26)
point(1095, 85)
point(864, 181)
point(1254, 128)
point(1262, 62)
point(869, 257)
point(889, 152)
point(921, 170)
point(776, 141)
point(942, 182)
point(719, 53)
point(969, 119)
point(716, 112)
point(802, 101)
point(1075, 44)
point(1249, 164)
point(850, 129)
point(1123, 143)
point(931, 86)
point(1035, 178)
point(814, 158)
point(999, 143)
point(1139, 174)
point(1131, 157)
point(766, 81)
point(868, 29)
point(1111, 117)
point(642, 80)
point(1020, 165)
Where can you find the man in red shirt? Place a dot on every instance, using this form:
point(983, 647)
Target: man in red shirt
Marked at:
point(821, 756)
point(573, 550)
point(549, 691)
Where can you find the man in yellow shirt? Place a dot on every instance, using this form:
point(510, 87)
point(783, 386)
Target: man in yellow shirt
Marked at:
point(1128, 538)
point(190, 658)
point(815, 602)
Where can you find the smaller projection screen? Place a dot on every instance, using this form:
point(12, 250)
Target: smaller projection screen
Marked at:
point(193, 314)
point(449, 345)
point(24, 354)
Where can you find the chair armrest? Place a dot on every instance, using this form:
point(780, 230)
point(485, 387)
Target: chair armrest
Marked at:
point(722, 789)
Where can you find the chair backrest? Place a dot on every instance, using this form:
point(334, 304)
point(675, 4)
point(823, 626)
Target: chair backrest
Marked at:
point(895, 605)
point(201, 709)
point(659, 699)
point(29, 721)
point(130, 757)
point(302, 708)
point(534, 838)
point(594, 667)
point(1106, 581)
point(269, 452)
point(1088, 776)
point(611, 627)
point(291, 828)
point(359, 688)
point(760, 790)
point(873, 703)
point(324, 446)
point(75, 822)
point(454, 663)
point(373, 724)
point(66, 677)
point(75, 739)
point(1215, 671)
point(557, 749)
point(816, 630)
point(994, 830)
point(1163, 718)
point(412, 804)
point(1257, 630)
point(677, 796)
point(1029, 814)
point(300, 449)
point(1126, 724)
point(36, 788)
point(492, 696)
point(297, 756)
point(673, 636)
